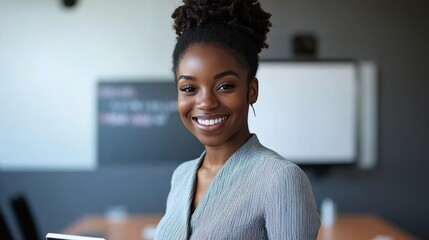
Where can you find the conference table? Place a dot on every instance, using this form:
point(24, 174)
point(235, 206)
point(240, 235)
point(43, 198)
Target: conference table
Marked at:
point(142, 227)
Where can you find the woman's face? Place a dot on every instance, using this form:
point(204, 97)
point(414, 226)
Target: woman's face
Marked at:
point(214, 96)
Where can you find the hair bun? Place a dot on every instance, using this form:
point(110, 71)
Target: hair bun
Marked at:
point(246, 15)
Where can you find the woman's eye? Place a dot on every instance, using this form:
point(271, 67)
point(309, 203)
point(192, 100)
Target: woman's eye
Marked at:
point(188, 89)
point(225, 87)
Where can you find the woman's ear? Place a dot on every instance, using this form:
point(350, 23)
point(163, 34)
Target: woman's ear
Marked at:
point(253, 91)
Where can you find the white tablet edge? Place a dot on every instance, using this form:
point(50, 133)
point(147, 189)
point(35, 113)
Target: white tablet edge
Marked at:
point(56, 236)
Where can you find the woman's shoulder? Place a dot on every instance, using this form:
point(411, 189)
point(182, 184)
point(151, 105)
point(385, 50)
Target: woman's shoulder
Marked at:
point(275, 163)
point(185, 170)
point(272, 163)
point(270, 157)
point(186, 167)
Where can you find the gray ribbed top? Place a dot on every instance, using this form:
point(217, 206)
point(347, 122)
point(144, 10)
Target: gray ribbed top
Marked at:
point(257, 194)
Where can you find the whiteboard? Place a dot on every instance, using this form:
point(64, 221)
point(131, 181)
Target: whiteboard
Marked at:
point(307, 111)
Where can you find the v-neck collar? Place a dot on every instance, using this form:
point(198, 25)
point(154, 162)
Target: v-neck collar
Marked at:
point(230, 163)
point(208, 192)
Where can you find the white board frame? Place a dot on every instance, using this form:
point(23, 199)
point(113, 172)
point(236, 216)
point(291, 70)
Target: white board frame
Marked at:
point(318, 112)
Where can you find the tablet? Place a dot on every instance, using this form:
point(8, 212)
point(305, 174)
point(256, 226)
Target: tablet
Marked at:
point(56, 236)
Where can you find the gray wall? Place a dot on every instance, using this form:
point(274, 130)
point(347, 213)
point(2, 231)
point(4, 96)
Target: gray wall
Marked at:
point(394, 34)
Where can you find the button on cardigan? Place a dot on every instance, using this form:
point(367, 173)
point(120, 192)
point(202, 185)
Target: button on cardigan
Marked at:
point(257, 194)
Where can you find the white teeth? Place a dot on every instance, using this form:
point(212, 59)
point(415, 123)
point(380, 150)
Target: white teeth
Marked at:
point(210, 122)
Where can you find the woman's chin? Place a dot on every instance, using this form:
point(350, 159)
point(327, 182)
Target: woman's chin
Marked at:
point(210, 141)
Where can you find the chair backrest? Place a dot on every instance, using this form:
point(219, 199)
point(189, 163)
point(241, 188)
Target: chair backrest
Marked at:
point(4, 229)
point(24, 218)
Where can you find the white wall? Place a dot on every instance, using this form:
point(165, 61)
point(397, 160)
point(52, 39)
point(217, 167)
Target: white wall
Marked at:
point(50, 61)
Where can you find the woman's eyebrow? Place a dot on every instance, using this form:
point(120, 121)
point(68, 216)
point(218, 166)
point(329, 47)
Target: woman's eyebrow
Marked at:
point(226, 73)
point(185, 77)
point(217, 76)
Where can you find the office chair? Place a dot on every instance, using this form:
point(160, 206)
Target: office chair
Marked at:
point(24, 218)
point(4, 230)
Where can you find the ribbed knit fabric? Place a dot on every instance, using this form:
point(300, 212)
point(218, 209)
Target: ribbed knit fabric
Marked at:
point(257, 194)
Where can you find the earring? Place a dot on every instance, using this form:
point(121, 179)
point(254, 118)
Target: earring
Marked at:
point(254, 113)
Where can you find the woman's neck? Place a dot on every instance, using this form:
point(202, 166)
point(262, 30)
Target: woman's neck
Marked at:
point(217, 156)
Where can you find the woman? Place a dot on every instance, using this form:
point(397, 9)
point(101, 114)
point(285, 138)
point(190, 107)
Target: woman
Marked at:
point(237, 189)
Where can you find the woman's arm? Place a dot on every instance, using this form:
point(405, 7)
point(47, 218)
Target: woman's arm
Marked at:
point(290, 208)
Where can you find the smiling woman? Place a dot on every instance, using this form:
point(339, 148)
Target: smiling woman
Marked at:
point(237, 188)
point(214, 96)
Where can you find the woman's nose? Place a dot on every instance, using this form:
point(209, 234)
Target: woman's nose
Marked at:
point(207, 100)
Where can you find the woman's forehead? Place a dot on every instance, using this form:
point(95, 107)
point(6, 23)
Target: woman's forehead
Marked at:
point(208, 54)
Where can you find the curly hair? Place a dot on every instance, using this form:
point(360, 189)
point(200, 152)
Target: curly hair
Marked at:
point(239, 26)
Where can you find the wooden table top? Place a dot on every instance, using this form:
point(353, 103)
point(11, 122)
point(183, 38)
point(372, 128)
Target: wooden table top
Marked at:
point(142, 227)
point(362, 227)
point(132, 227)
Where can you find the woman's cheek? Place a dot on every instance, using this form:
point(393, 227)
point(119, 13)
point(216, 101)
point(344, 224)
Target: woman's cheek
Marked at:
point(184, 105)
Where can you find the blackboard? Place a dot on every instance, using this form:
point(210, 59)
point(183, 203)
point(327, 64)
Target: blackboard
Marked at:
point(138, 123)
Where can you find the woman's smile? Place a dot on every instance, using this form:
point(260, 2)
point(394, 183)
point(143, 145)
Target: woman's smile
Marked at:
point(210, 121)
